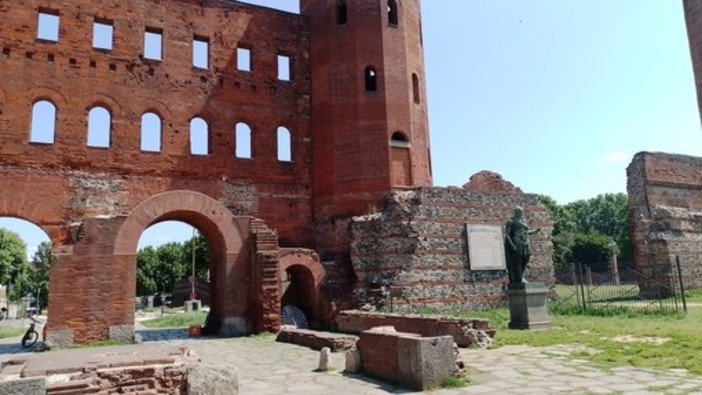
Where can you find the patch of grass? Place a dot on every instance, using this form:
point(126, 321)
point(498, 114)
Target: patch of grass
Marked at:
point(102, 343)
point(455, 382)
point(177, 320)
point(694, 295)
point(11, 332)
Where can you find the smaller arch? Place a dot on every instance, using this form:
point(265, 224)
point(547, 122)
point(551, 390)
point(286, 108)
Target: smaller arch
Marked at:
point(393, 13)
point(151, 133)
point(284, 140)
point(305, 274)
point(99, 125)
point(43, 125)
point(342, 13)
point(415, 89)
point(199, 137)
point(370, 76)
point(242, 141)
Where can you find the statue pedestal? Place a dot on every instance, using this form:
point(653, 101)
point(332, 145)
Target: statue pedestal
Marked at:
point(527, 306)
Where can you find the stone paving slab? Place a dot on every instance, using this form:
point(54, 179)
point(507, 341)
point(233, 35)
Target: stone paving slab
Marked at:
point(268, 368)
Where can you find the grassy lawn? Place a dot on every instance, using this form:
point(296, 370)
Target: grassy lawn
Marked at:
point(11, 332)
point(641, 340)
point(177, 320)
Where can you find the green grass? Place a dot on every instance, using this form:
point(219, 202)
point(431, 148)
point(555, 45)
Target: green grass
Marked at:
point(455, 382)
point(177, 320)
point(11, 332)
point(682, 332)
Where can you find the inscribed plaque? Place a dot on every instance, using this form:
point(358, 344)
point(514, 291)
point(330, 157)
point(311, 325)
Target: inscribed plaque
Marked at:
point(486, 247)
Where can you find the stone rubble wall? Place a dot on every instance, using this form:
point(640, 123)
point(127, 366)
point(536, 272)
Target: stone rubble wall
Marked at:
point(665, 216)
point(414, 252)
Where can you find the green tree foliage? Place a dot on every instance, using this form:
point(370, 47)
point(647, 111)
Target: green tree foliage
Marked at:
point(39, 275)
point(584, 230)
point(158, 269)
point(13, 263)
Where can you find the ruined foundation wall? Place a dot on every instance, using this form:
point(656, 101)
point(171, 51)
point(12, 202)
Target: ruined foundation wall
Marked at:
point(665, 198)
point(415, 252)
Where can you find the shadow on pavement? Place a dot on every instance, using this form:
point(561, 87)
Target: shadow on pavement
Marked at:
point(162, 334)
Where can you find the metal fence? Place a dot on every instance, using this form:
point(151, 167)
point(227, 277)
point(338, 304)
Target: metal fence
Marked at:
point(597, 287)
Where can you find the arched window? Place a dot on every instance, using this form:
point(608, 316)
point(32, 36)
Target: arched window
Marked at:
point(342, 15)
point(43, 127)
point(284, 145)
point(198, 136)
point(371, 78)
point(415, 88)
point(150, 132)
point(399, 137)
point(243, 141)
point(392, 12)
point(99, 124)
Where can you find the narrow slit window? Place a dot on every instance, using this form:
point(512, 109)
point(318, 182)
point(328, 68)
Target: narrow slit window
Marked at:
point(103, 35)
point(199, 136)
point(392, 13)
point(150, 132)
point(99, 128)
point(243, 59)
point(243, 141)
point(371, 78)
point(48, 26)
point(153, 44)
point(43, 128)
point(284, 145)
point(201, 53)
point(284, 68)
point(415, 88)
point(342, 14)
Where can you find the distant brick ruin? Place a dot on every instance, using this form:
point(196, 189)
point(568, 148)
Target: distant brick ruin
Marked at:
point(665, 194)
point(267, 131)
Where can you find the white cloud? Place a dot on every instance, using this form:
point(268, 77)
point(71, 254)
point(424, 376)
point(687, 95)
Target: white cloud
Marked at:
point(615, 157)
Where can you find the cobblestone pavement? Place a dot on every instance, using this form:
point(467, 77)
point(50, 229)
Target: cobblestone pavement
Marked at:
point(266, 368)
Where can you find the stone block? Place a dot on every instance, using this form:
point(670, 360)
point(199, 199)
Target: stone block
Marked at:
point(527, 306)
point(122, 333)
point(59, 338)
point(212, 380)
point(424, 362)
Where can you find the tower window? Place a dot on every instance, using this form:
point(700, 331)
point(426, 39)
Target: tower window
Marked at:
point(99, 125)
point(284, 68)
point(102, 35)
point(392, 13)
point(201, 53)
point(342, 15)
point(284, 145)
point(43, 122)
point(150, 132)
point(199, 136)
point(48, 26)
point(243, 141)
point(371, 77)
point(243, 59)
point(415, 88)
point(153, 47)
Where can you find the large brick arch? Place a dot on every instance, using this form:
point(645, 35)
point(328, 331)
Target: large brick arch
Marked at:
point(229, 291)
point(42, 211)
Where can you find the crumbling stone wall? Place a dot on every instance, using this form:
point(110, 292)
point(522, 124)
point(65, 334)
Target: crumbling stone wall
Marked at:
point(414, 251)
point(665, 216)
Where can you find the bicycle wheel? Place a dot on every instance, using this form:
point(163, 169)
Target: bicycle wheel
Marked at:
point(30, 338)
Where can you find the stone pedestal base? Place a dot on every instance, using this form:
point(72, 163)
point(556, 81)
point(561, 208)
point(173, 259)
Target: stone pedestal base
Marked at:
point(527, 306)
point(192, 305)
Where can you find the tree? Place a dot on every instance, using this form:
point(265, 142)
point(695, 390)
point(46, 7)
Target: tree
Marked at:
point(202, 255)
point(39, 274)
point(13, 263)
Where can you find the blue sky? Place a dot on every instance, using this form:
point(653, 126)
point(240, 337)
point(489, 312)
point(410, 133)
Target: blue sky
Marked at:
point(557, 96)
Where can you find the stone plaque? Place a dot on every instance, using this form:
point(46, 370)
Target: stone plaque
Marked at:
point(486, 247)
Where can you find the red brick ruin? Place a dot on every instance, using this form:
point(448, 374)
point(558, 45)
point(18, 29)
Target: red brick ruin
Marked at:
point(339, 89)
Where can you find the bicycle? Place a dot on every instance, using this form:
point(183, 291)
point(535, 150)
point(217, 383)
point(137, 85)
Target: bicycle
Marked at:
point(31, 336)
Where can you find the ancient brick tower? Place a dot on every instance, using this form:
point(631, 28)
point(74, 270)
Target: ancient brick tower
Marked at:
point(369, 115)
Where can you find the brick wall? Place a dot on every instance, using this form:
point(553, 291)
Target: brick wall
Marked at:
point(414, 251)
point(665, 213)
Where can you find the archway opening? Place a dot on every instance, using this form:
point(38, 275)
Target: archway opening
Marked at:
point(25, 260)
point(173, 287)
point(298, 299)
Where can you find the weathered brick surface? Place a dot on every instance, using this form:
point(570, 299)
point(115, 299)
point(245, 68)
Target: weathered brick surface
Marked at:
point(665, 199)
point(415, 250)
point(693, 17)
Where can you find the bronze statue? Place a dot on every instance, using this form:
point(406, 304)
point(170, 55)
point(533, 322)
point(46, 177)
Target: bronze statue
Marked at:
point(517, 246)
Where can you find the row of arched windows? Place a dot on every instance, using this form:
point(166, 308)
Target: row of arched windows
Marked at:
point(342, 13)
point(43, 130)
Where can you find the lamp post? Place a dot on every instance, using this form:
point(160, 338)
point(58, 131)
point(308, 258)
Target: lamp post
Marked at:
point(192, 274)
